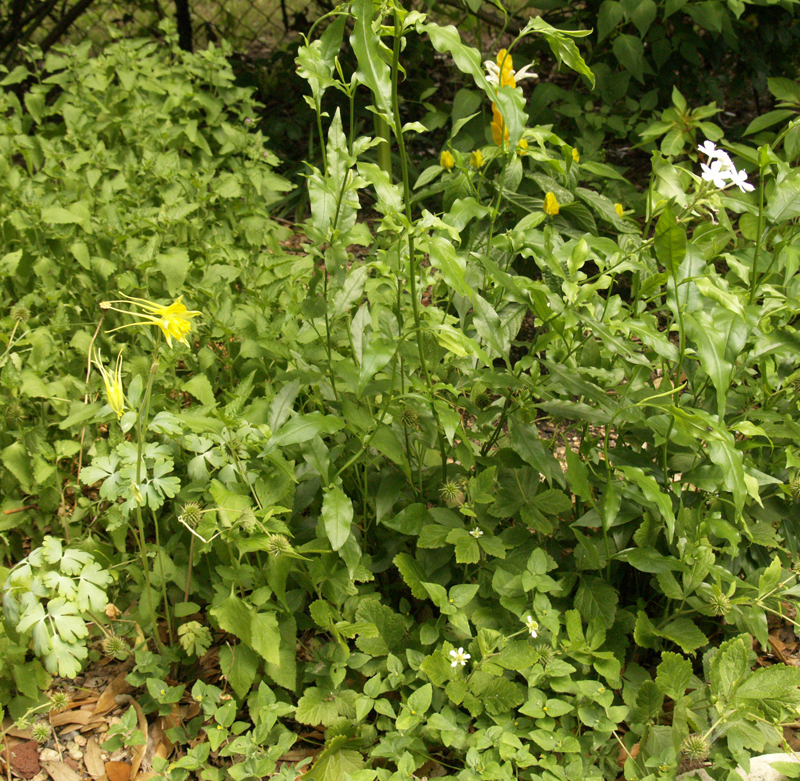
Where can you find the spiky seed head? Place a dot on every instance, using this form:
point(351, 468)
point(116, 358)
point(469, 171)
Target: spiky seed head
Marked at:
point(20, 313)
point(545, 653)
point(695, 747)
point(409, 417)
point(481, 397)
point(794, 487)
point(720, 604)
point(278, 545)
point(14, 412)
point(59, 702)
point(191, 513)
point(452, 493)
point(115, 647)
point(41, 732)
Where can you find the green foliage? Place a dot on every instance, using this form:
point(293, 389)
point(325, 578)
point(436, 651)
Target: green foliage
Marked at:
point(498, 487)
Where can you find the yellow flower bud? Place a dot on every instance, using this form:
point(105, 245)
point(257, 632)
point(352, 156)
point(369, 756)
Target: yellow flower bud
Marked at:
point(551, 205)
point(476, 159)
point(522, 147)
point(447, 160)
point(115, 395)
point(618, 209)
point(576, 155)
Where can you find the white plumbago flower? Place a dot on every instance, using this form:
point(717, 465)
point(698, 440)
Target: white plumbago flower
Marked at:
point(739, 178)
point(476, 533)
point(533, 626)
point(708, 148)
point(459, 657)
point(717, 173)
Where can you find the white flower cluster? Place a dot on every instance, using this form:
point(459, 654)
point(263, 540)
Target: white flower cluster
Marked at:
point(721, 172)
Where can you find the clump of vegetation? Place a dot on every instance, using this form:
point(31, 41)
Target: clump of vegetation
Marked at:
point(438, 547)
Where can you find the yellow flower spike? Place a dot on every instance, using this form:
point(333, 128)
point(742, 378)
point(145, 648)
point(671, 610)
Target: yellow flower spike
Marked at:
point(115, 395)
point(173, 320)
point(476, 159)
point(446, 160)
point(506, 67)
point(618, 209)
point(576, 155)
point(522, 147)
point(501, 72)
point(551, 205)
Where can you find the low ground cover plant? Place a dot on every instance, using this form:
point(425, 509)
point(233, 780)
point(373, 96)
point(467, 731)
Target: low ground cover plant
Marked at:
point(500, 486)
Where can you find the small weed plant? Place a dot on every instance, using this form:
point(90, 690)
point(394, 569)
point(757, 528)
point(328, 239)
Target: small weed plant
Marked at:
point(499, 486)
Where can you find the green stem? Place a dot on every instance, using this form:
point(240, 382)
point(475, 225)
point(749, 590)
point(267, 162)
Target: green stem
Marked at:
point(412, 266)
point(760, 230)
point(144, 414)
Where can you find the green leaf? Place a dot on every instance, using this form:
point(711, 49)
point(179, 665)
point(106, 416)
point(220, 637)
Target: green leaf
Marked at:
point(305, 427)
point(335, 762)
point(670, 241)
point(674, 675)
point(729, 666)
point(238, 664)
point(337, 515)
point(498, 695)
point(200, 387)
point(373, 71)
point(784, 204)
point(16, 459)
point(376, 356)
point(265, 639)
point(443, 255)
point(768, 120)
point(420, 700)
point(284, 673)
point(174, 265)
point(316, 707)
point(598, 599)
point(649, 701)
point(629, 51)
point(412, 573)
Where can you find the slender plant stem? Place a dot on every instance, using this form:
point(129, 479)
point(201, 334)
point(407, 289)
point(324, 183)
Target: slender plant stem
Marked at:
point(144, 414)
point(760, 231)
point(412, 266)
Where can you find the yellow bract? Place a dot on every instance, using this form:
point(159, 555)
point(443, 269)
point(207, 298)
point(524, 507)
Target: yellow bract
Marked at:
point(499, 131)
point(113, 384)
point(618, 209)
point(173, 320)
point(476, 159)
point(447, 160)
point(551, 205)
point(576, 155)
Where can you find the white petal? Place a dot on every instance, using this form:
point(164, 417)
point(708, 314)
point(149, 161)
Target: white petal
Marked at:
point(708, 148)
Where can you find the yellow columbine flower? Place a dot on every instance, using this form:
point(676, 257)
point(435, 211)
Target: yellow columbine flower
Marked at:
point(551, 205)
point(618, 209)
point(522, 147)
point(115, 395)
point(173, 320)
point(476, 159)
point(499, 131)
point(447, 160)
point(576, 155)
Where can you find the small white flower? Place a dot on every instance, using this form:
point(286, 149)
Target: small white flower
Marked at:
point(476, 533)
point(533, 626)
point(708, 148)
point(717, 173)
point(459, 657)
point(739, 178)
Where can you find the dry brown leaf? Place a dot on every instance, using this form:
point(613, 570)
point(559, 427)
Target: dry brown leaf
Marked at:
point(79, 717)
point(60, 771)
point(118, 771)
point(108, 699)
point(93, 759)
